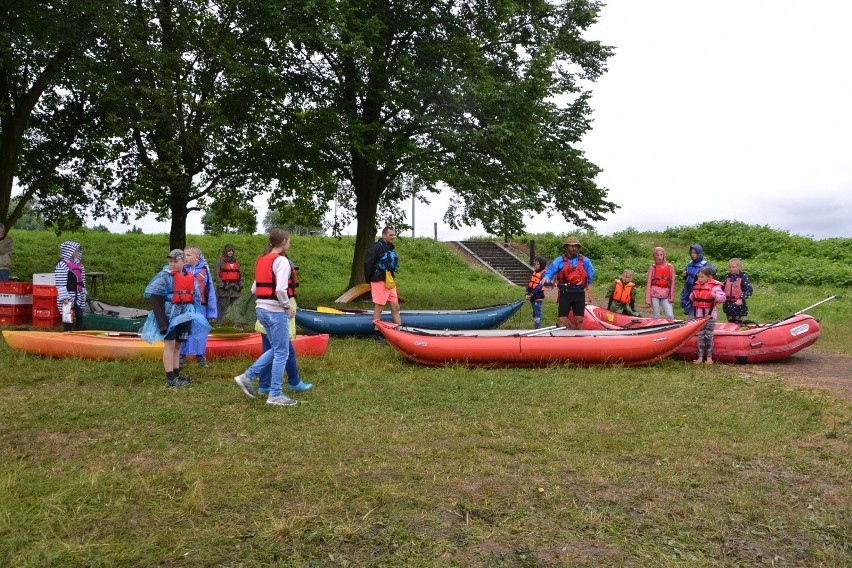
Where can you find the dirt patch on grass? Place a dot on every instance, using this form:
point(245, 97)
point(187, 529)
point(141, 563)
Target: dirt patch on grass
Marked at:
point(812, 369)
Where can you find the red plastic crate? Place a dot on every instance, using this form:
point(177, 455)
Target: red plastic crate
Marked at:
point(40, 302)
point(44, 291)
point(15, 320)
point(51, 312)
point(47, 322)
point(12, 310)
point(16, 288)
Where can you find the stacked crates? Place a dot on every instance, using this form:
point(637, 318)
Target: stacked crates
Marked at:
point(16, 303)
point(45, 311)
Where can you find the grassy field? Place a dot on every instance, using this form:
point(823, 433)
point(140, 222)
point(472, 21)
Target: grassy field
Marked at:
point(390, 464)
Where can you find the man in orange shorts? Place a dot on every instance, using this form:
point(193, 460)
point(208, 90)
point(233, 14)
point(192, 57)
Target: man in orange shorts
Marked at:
point(379, 270)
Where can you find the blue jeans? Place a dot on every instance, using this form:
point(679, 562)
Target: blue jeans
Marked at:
point(536, 307)
point(291, 367)
point(655, 307)
point(4, 274)
point(277, 327)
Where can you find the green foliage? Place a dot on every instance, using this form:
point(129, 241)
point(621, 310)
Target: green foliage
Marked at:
point(225, 218)
point(54, 139)
point(30, 218)
point(771, 255)
point(296, 218)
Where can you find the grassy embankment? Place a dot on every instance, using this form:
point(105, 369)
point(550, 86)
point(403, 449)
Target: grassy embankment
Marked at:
point(388, 463)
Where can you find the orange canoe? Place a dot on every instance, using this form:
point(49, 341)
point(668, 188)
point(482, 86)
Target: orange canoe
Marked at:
point(752, 343)
point(538, 347)
point(117, 345)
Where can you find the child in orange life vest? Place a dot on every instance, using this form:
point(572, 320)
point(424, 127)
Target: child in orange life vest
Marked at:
point(622, 295)
point(660, 285)
point(706, 293)
point(175, 314)
point(738, 289)
point(535, 289)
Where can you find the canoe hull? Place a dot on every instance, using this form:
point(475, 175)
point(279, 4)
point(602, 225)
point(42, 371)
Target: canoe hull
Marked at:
point(102, 345)
point(758, 343)
point(107, 317)
point(516, 348)
point(361, 324)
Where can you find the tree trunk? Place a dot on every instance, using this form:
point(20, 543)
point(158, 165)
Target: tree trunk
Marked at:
point(367, 193)
point(179, 208)
point(365, 235)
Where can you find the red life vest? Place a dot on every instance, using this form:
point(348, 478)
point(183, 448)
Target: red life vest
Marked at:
point(183, 288)
point(663, 275)
point(230, 271)
point(703, 297)
point(622, 291)
point(264, 276)
point(201, 278)
point(733, 288)
point(293, 281)
point(573, 276)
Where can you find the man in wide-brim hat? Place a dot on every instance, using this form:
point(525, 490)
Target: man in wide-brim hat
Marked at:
point(573, 274)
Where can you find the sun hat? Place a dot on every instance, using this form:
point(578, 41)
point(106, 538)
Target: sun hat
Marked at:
point(176, 254)
point(572, 241)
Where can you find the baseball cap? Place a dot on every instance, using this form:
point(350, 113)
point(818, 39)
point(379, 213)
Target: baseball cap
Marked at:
point(176, 254)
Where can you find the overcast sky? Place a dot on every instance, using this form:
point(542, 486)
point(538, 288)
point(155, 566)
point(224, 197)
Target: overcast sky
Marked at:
point(737, 110)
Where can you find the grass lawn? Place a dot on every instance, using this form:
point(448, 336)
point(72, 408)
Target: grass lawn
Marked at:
point(386, 463)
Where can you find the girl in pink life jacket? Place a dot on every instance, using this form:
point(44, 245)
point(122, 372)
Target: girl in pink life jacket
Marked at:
point(660, 285)
point(706, 293)
point(737, 287)
point(70, 276)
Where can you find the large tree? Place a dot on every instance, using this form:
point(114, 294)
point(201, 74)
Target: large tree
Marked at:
point(51, 137)
point(186, 108)
point(483, 97)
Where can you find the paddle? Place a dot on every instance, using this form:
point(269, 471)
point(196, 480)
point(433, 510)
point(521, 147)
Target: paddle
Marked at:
point(769, 325)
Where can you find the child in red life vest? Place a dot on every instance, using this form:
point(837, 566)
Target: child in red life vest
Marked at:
point(622, 295)
point(175, 314)
point(660, 285)
point(535, 289)
point(706, 293)
point(738, 289)
point(229, 281)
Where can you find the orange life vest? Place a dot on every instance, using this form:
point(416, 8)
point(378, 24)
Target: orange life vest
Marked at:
point(573, 276)
point(264, 276)
point(622, 291)
point(230, 271)
point(183, 288)
point(703, 297)
point(663, 275)
point(535, 279)
point(733, 288)
point(293, 281)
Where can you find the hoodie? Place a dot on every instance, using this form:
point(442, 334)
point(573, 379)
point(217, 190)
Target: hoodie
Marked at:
point(690, 272)
point(70, 275)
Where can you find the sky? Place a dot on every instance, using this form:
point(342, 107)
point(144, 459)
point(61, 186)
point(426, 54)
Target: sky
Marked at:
point(724, 110)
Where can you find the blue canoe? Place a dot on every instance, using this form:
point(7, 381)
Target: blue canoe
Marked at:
point(361, 322)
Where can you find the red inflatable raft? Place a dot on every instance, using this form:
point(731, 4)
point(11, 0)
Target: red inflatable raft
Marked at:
point(538, 347)
point(753, 343)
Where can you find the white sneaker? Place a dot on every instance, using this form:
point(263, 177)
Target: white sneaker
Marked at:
point(245, 384)
point(282, 400)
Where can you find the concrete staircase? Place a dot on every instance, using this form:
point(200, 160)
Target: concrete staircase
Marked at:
point(499, 260)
